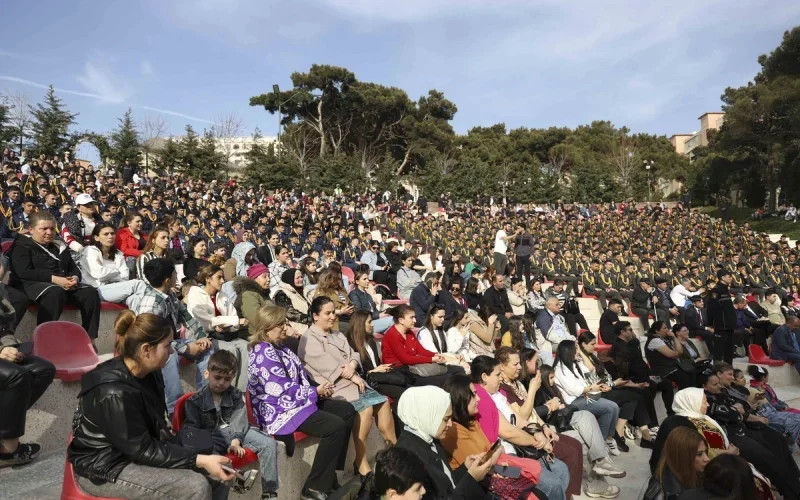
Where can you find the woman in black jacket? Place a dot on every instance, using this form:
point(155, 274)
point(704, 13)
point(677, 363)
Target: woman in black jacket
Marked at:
point(195, 257)
point(427, 413)
point(120, 447)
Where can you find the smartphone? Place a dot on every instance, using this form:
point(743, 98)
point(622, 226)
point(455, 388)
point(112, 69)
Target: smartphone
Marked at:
point(507, 471)
point(25, 348)
point(485, 458)
point(227, 468)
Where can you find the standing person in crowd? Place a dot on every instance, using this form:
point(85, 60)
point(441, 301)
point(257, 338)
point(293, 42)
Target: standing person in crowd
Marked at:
point(43, 272)
point(24, 378)
point(501, 239)
point(216, 313)
point(119, 446)
point(523, 249)
point(103, 267)
point(722, 317)
point(329, 359)
point(159, 299)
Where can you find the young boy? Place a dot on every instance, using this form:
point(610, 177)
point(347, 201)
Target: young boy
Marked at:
point(219, 407)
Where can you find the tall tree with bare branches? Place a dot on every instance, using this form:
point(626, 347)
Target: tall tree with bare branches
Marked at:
point(151, 129)
point(624, 159)
point(299, 142)
point(19, 116)
point(227, 127)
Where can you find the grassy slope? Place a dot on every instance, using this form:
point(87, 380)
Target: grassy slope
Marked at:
point(768, 225)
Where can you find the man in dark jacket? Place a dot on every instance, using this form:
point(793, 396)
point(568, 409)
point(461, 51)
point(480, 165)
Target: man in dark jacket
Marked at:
point(495, 300)
point(722, 317)
point(785, 344)
point(423, 296)
point(696, 319)
point(43, 270)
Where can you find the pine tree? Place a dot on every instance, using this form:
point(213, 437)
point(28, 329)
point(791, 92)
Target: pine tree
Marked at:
point(209, 161)
point(267, 168)
point(125, 141)
point(188, 150)
point(170, 156)
point(51, 122)
point(6, 131)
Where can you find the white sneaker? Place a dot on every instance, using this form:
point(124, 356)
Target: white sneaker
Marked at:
point(606, 467)
point(610, 492)
point(612, 448)
point(629, 432)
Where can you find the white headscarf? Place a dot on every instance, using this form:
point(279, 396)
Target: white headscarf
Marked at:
point(422, 409)
point(688, 403)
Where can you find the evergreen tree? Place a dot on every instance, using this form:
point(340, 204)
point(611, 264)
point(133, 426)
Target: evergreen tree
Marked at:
point(208, 161)
point(267, 168)
point(6, 131)
point(188, 150)
point(125, 141)
point(51, 122)
point(171, 156)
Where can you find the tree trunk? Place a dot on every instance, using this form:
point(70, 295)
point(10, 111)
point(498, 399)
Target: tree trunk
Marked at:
point(405, 162)
point(770, 180)
point(323, 140)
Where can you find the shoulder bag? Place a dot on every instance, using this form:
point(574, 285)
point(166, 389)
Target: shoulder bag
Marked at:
point(428, 369)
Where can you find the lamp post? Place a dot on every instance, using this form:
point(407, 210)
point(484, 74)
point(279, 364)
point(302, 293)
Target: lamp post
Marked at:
point(648, 165)
point(277, 90)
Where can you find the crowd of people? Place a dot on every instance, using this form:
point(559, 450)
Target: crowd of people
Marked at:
point(456, 331)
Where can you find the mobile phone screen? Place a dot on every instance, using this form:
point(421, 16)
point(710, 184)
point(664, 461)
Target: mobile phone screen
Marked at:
point(491, 451)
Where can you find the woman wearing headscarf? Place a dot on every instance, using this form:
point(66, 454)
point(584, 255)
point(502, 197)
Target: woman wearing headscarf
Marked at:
point(242, 257)
point(290, 295)
point(427, 415)
point(690, 406)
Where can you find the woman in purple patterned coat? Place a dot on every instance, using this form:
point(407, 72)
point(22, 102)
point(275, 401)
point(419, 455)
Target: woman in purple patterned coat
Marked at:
point(284, 401)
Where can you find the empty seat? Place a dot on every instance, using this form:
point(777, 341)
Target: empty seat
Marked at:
point(347, 272)
point(601, 346)
point(67, 346)
point(757, 356)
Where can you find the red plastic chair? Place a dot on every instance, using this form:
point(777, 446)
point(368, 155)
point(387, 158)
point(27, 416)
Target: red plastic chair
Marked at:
point(351, 276)
point(66, 345)
point(298, 436)
point(5, 246)
point(601, 346)
point(179, 416)
point(757, 356)
point(70, 489)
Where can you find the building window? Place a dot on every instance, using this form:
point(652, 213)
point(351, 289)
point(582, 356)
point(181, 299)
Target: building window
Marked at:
point(235, 146)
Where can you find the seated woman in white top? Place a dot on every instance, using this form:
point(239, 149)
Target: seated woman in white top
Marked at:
point(432, 337)
point(104, 268)
point(458, 335)
point(216, 312)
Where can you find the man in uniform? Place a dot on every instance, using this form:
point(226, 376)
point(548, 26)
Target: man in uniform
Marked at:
point(722, 317)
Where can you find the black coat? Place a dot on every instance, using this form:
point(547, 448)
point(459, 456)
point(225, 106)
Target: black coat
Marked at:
point(438, 486)
point(120, 420)
point(496, 302)
point(721, 313)
point(33, 268)
point(641, 299)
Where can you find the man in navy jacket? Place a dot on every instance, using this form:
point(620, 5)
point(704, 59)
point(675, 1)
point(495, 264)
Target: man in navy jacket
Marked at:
point(785, 344)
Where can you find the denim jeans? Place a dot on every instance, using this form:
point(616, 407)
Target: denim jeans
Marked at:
point(606, 412)
point(172, 376)
point(122, 291)
point(553, 482)
point(267, 450)
point(139, 482)
point(380, 325)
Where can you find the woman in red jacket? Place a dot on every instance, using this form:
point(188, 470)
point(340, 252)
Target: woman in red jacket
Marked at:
point(129, 240)
point(401, 349)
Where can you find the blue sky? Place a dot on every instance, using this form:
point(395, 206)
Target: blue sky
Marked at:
point(653, 66)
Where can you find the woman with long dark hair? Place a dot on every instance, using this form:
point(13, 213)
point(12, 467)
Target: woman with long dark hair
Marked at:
point(360, 336)
point(104, 267)
point(726, 476)
point(662, 351)
point(578, 392)
point(433, 338)
point(196, 257)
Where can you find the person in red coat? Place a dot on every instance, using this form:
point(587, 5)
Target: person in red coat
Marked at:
point(401, 349)
point(129, 240)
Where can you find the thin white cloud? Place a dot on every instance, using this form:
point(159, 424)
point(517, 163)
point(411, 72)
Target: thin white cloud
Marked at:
point(146, 67)
point(99, 81)
point(103, 98)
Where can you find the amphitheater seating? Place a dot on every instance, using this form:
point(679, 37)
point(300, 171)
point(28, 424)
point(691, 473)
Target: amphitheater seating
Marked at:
point(347, 272)
point(67, 346)
point(601, 346)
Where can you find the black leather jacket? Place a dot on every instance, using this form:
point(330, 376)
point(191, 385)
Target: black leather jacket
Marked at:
point(121, 419)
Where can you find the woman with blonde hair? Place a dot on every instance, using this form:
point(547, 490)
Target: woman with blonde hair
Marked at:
point(330, 286)
point(118, 448)
point(681, 466)
point(284, 401)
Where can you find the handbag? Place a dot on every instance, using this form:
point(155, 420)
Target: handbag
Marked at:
point(506, 488)
point(376, 379)
point(561, 419)
point(686, 366)
point(428, 369)
point(571, 306)
point(530, 451)
point(199, 441)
